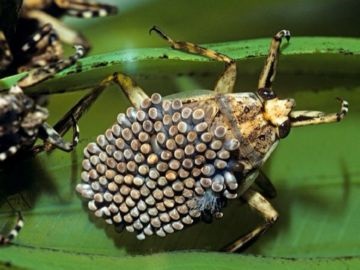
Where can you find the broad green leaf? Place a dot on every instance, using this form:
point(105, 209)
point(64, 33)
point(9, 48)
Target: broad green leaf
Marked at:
point(88, 72)
point(50, 259)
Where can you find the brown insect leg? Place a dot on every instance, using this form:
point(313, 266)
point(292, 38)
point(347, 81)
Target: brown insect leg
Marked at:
point(268, 73)
point(70, 119)
point(226, 82)
point(265, 185)
point(40, 74)
point(53, 139)
point(66, 122)
point(259, 203)
point(305, 118)
point(135, 94)
point(65, 34)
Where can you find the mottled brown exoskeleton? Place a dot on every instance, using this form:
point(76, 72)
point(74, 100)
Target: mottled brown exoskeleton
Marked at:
point(168, 162)
point(36, 38)
point(23, 121)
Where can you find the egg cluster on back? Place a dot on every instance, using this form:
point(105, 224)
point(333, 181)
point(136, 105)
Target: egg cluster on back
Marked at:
point(159, 168)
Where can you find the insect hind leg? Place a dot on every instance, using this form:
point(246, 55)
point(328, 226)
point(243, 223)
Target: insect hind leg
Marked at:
point(265, 185)
point(266, 210)
point(135, 93)
point(226, 82)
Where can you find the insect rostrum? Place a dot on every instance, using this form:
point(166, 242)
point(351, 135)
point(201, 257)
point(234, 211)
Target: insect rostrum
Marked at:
point(168, 162)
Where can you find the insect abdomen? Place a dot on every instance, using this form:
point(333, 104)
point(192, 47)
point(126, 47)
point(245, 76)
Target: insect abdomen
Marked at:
point(161, 167)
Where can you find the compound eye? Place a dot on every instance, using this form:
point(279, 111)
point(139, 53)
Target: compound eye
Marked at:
point(284, 129)
point(266, 93)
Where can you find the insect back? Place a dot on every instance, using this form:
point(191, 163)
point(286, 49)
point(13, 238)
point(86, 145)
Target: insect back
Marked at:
point(167, 163)
point(144, 172)
point(171, 162)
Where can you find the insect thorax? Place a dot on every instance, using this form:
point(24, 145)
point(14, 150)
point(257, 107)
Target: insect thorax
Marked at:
point(243, 116)
point(256, 134)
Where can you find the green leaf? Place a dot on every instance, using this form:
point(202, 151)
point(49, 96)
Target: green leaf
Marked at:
point(315, 170)
point(88, 72)
point(50, 259)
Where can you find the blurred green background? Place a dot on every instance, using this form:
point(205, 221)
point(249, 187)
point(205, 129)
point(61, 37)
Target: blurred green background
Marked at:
point(316, 169)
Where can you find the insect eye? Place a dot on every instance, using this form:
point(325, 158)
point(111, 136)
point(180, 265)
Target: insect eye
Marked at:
point(284, 129)
point(266, 93)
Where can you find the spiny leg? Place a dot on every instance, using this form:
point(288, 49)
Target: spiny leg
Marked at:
point(259, 203)
point(135, 94)
point(305, 118)
point(40, 74)
point(76, 112)
point(226, 82)
point(268, 73)
point(6, 239)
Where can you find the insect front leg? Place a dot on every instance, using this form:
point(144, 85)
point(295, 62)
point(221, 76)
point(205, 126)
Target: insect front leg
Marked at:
point(6, 239)
point(226, 82)
point(40, 74)
point(265, 209)
point(268, 73)
point(305, 118)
